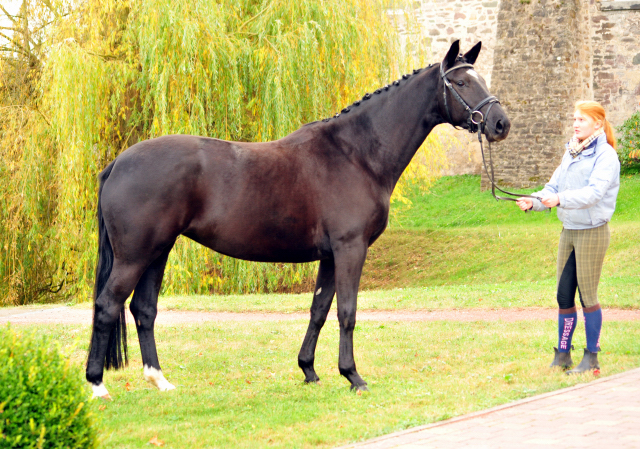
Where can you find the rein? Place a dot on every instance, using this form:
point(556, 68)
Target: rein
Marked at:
point(476, 123)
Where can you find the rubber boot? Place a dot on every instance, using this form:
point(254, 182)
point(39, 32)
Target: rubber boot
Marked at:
point(589, 363)
point(562, 359)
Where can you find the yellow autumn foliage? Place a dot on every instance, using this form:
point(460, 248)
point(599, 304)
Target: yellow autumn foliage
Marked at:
point(112, 73)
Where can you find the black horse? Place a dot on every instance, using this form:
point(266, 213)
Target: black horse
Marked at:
point(320, 193)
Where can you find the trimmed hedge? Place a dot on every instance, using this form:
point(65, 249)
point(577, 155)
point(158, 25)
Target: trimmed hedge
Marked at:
point(43, 397)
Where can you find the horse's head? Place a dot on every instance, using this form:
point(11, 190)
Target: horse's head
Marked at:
point(464, 98)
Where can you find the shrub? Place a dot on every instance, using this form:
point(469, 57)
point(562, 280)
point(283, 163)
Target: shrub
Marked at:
point(629, 145)
point(43, 400)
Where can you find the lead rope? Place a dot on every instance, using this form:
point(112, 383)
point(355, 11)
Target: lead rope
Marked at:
point(478, 127)
point(492, 175)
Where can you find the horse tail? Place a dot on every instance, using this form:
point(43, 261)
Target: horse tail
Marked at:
point(118, 336)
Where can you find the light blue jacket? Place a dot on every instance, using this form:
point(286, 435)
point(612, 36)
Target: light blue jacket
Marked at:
point(587, 186)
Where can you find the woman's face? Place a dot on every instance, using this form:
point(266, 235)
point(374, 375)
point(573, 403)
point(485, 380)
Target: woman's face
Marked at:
point(584, 126)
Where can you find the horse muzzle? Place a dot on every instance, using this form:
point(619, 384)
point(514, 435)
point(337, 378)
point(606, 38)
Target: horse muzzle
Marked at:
point(497, 130)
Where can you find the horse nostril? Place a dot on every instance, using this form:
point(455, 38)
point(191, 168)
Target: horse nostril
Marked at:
point(499, 127)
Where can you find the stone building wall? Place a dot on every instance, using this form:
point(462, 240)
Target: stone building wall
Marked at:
point(444, 21)
point(615, 37)
point(540, 69)
point(539, 57)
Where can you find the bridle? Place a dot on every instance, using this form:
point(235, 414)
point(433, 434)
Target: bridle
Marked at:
point(473, 125)
point(476, 124)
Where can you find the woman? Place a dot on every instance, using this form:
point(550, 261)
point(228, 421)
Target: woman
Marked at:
point(584, 189)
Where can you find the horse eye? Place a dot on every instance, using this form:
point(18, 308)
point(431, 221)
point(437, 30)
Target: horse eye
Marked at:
point(460, 83)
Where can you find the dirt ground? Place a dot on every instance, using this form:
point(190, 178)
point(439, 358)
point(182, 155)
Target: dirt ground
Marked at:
point(71, 315)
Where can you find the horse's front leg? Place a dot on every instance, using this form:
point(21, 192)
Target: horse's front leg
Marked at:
point(322, 298)
point(349, 259)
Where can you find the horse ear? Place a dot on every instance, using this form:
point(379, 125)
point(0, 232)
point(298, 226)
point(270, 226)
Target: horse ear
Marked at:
point(452, 54)
point(472, 54)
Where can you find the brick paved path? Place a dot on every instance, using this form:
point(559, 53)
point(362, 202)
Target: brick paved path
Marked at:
point(602, 414)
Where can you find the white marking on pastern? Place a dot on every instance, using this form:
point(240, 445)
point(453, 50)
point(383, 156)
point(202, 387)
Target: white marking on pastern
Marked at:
point(155, 377)
point(100, 391)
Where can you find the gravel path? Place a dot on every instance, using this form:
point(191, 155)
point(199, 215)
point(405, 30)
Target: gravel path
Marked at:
point(71, 315)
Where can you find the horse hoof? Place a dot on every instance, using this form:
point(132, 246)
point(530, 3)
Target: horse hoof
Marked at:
point(100, 391)
point(166, 386)
point(155, 377)
point(316, 382)
point(359, 388)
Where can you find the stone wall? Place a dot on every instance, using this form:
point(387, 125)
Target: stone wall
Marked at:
point(444, 21)
point(470, 21)
point(539, 71)
point(539, 57)
point(615, 37)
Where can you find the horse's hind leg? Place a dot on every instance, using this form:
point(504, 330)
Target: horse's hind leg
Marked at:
point(144, 307)
point(322, 298)
point(106, 337)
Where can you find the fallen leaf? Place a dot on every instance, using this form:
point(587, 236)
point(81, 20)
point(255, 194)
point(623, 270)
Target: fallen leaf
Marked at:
point(211, 383)
point(127, 386)
point(359, 392)
point(247, 381)
point(156, 442)
point(102, 407)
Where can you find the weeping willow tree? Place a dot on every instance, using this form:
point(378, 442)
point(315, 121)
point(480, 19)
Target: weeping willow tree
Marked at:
point(119, 72)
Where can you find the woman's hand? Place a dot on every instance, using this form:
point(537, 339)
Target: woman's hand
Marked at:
point(551, 201)
point(524, 203)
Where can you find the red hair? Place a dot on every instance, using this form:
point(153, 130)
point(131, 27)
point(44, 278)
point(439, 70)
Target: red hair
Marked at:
point(595, 110)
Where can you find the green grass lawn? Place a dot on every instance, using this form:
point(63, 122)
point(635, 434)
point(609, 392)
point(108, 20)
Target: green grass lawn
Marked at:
point(457, 202)
point(487, 255)
point(458, 235)
point(238, 384)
